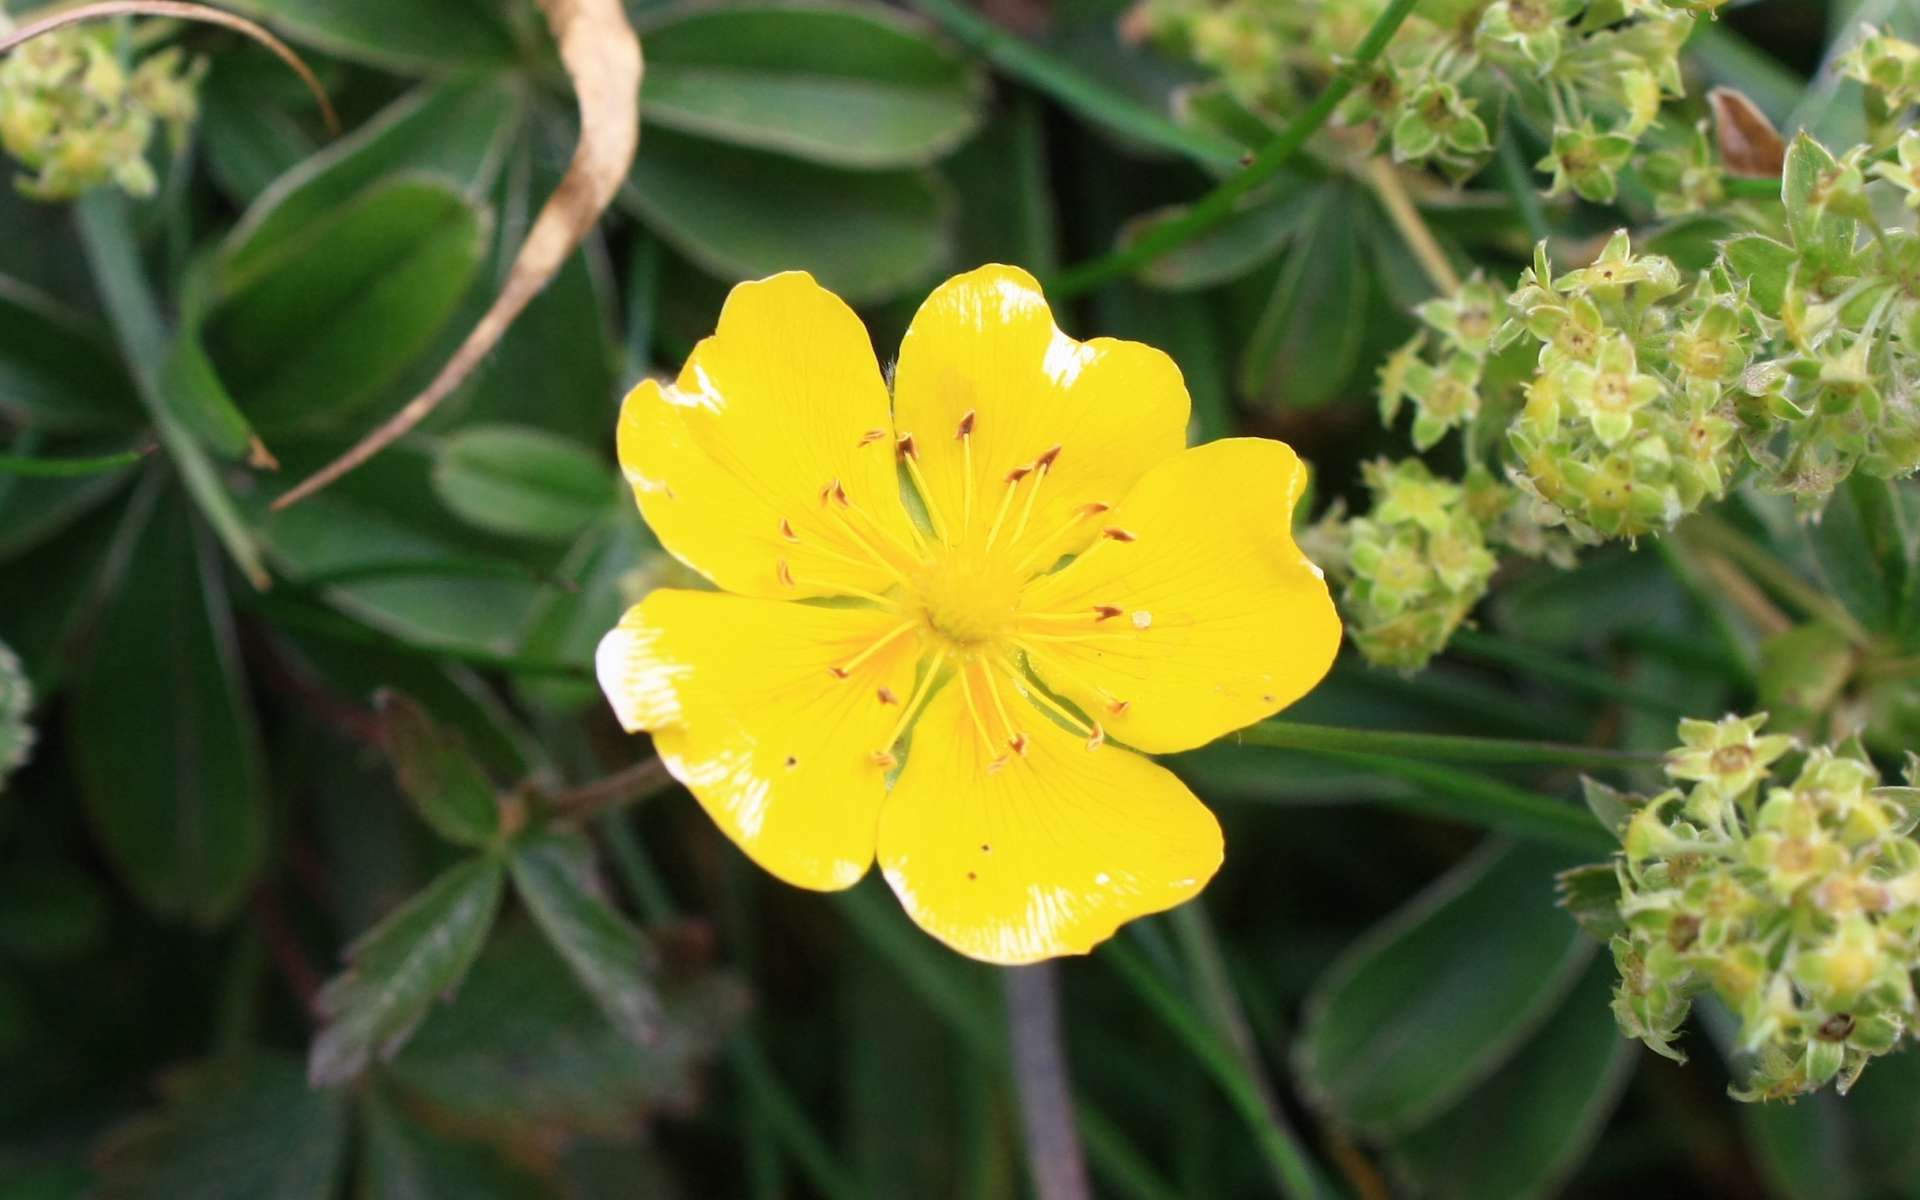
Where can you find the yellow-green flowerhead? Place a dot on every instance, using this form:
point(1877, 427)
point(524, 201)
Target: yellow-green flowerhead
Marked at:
point(953, 620)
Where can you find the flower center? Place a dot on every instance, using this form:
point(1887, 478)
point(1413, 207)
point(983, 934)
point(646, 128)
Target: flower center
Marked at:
point(965, 600)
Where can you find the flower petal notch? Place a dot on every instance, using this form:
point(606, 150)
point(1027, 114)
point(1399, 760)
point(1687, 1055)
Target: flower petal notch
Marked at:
point(951, 620)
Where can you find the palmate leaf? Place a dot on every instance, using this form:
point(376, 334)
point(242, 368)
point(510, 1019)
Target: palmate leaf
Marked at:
point(522, 482)
point(553, 874)
point(416, 956)
point(447, 786)
point(240, 1129)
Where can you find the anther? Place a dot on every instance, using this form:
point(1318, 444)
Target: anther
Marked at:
point(1018, 473)
point(1094, 509)
point(1106, 612)
point(1099, 737)
point(838, 672)
point(1018, 743)
point(871, 436)
point(966, 425)
point(786, 530)
point(905, 447)
point(840, 494)
point(785, 572)
point(1119, 707)
point(1046, 460)
point(884, 760)
point(1117, 534)
point(887, 697)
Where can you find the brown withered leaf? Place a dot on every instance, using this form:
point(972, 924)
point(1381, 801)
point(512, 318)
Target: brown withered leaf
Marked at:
point(1749, 144)
point(602, 56)
point(179, 10)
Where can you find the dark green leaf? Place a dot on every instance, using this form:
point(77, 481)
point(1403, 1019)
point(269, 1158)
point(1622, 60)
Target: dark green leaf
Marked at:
point(522, 482)
point(1591, 896)
point(524, 1047)
point(1439, 996)
point(48, 911)
point(844, 83)
point(420, 35)
point(238, 1129)
point(193, 391)
point(1857, 1147)
point(457, 131)
point(742, 214)
point(448, 788)
point(396, 971)
point(1546, 1107)
point(1307, 342)
point(1252, 235)
point(317, 333)
point(407, 1161)
point(554, 876)
point(57, 372)
point(163, 732)
point(252, 132)
point(568, 621)
point(1867, 545)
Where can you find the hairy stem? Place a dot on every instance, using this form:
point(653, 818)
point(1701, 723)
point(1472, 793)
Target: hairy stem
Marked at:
point(1054, 1160)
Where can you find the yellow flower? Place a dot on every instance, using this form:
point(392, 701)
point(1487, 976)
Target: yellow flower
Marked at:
point(1017, 821)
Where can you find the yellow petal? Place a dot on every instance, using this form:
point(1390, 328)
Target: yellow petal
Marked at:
point(983, 352)
point(1220, 619)
point(1049, 853)
point(746, 710)
point(735, 465)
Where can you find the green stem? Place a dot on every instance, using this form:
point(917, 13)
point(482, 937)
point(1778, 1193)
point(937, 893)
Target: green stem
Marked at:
point(1544, 665)
point(1219, 204)
point(1207, 968)
point(1292, 735)
point(1088, 97)
point(1517, 178)
point(107, 239)
point(1055, 1164)
point(1777, 577)
point(60, 468)
point(1295, 1171)
point(788, 1122)
point(943, 983)
point(1462, 796)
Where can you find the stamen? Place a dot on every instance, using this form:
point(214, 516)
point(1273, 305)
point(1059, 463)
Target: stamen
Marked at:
point(1115, 705)
point(1044, 465)
point(834, 498)
point(966, 481)
point(887, 697)
point(1098, 613)
point(979, 726)
point(912, 708)
point(1117, 534)
point(887, 639)
point(1015, 739)
point(786, 530)
point(834, 589)
point(1039, 697)
point(1006, 498)
point(871, 436)
point(911, 456)
point(784, 573)
point(1040, 547)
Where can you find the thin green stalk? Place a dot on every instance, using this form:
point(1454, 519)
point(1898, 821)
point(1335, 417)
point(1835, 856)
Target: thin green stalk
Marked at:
point(637, 872)
point(1776, 576)
point(1218, 205)
point(1543, 664)
point(107, 239)
point(1290, 1163)
point(788, 1122)
point(1462, 796)
point(61, 468)
point(1086, 96)
point(940, 981)
point(1517, 178)
point(1207, 968)
point(1740, 653)
point(1292, 735)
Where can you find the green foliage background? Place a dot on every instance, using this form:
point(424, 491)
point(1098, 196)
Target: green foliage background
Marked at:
point(369, 771)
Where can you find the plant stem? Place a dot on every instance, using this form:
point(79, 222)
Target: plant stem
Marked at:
point(1218, 205)
point(787, 1121)
point(1461, 796)
point(60, 468)
point(1040, 1079)
point(1545, 665)
point(1777, 577)
point(1292, 735)
point(1086, 96)
point(1207, 968)
point(629, 785)
point(101, 218)
point(1384, 178)
point(1295, 1171)
point(1517, 178)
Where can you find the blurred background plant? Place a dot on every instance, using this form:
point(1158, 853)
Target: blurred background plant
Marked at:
point(328, 870)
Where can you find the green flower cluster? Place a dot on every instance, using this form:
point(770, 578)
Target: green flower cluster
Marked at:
point(1793, 895)
point(1890, 69)
point(1412, 568)
point(1594, 74)
point(72, 114)
point(16, 736)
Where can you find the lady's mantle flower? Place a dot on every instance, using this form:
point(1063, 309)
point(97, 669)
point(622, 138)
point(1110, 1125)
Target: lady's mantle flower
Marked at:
point(919, 677)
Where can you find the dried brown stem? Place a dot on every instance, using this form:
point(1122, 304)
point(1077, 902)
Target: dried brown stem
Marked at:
point(203, 13)
point(602, 55)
